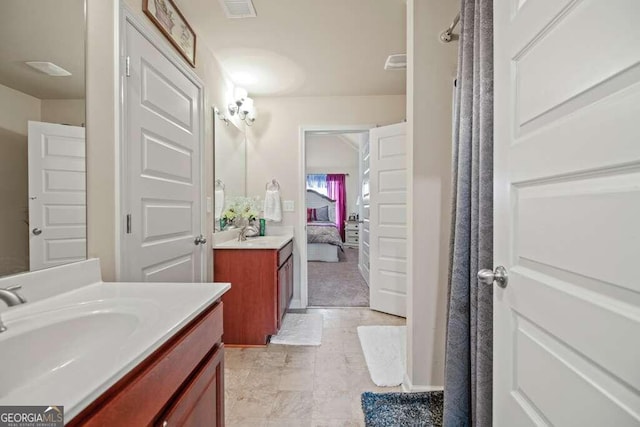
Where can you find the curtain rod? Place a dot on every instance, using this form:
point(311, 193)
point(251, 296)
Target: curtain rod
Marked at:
point(447, 35)
point(346, 174)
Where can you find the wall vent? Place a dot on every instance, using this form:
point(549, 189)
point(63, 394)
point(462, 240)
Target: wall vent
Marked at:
point(238, 8)
point(396, 62)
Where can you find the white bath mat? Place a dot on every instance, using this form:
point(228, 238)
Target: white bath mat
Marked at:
point(300, 329)
point(384, 349)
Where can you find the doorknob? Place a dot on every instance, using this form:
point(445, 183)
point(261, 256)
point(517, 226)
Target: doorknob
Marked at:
point(499, 276)
point(36, 231)
point(200, 240)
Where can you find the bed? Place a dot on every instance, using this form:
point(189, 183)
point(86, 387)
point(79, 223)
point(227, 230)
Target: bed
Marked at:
point(323, 237)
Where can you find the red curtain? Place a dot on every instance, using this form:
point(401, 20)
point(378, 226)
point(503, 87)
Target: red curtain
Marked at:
point(337, 190)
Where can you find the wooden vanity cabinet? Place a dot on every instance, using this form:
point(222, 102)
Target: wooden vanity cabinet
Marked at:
point(180, 384)
point(261, 291)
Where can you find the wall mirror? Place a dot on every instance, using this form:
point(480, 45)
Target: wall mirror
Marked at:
point(230, 165)
point(42, 134)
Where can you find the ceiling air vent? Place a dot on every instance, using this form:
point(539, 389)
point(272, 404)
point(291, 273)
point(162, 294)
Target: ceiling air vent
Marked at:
point(238, 8)
point(396, 62)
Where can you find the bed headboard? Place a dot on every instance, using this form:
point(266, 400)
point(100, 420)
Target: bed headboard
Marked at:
point(316, 200)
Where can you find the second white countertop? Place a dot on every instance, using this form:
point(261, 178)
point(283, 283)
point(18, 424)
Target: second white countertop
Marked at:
point(261, 242)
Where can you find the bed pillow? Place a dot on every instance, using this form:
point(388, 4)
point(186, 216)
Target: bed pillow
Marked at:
point(322, 214)
point(311, 215)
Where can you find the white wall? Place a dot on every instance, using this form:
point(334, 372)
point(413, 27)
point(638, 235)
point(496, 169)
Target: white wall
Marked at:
point(273, 150)
point(63, 111)
point(334, 154)
point(430, 74)
point(103, 124)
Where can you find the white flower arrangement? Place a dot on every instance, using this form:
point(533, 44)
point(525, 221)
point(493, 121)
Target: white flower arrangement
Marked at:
point(241, 210)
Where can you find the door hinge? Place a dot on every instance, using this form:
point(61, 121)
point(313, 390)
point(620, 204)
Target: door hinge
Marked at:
point(128, 223)
point(127, 66)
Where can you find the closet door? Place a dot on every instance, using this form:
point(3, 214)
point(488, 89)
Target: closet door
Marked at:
point(162, 176)
point(388, 219)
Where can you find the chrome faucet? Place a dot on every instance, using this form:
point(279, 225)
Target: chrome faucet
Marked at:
point(242, 236)
point(11, 298)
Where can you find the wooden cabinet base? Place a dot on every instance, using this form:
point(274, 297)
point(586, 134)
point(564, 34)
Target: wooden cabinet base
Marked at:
point(184, 373)
point(261, 290)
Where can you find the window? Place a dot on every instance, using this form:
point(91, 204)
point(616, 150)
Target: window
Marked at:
point(317, 182)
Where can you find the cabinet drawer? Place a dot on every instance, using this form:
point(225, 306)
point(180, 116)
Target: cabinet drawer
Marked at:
point(201, 401)
point(283, 254)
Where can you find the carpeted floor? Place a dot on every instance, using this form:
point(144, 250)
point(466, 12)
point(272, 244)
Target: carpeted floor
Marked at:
point(337, 284)
point(403, 409)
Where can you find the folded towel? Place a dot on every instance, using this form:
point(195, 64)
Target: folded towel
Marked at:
point(218, 203)
point(272, 207)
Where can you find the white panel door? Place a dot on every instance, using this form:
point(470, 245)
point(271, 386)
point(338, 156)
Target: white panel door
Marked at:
point(162, 149)
point(567, 210)
point(364, 208)
point(57, 195)
point(388, 219)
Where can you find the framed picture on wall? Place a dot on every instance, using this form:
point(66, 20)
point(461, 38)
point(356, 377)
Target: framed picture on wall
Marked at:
point(166, 16)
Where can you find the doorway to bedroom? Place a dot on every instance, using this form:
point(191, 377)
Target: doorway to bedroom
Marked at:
point(335, 167)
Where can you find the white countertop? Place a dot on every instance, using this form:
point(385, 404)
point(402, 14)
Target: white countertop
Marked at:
point(70, 348)
point(261, 242)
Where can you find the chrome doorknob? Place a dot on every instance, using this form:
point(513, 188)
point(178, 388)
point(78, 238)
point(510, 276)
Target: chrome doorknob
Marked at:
point(200, 240)
point(499, 276)
point(36, 231)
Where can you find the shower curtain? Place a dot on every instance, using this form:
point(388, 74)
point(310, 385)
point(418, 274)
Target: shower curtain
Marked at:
point(468, 366)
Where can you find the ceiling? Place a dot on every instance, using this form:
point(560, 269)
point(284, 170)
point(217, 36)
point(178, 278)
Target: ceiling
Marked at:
point(306, 47)
point(42, 30)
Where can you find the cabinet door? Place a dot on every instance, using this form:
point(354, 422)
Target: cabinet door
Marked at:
point(282, 292)
point(289, 281)
point(201, 401)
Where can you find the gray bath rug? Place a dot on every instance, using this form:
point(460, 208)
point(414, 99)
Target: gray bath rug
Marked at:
point(403, 409)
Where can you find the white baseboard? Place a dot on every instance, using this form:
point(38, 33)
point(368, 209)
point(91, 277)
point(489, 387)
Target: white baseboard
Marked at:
point(408, 387)
point(296, 304)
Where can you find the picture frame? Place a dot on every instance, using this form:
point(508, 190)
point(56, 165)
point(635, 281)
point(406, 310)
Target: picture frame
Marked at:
point(170, 21)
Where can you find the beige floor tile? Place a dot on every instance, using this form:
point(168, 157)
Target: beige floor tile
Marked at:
point(336, 405)
point(356, 361)
point(296, 380)
point(305, 360)
point(245, 422)
point(252, 404)
point(292, 405)
point(264, 379)
point(235, 378)
point(337, 423)
point(281, 422)
point(270, 360)
point(304, 385)
point(236, 358)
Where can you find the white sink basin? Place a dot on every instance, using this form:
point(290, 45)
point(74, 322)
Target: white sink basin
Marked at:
point(58, 342)
point(70, 348)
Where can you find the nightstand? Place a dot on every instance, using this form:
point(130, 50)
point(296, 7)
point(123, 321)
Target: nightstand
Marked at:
point(352, 231)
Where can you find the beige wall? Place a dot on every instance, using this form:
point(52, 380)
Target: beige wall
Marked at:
point(103, 124)
point(14, 183)
point(273, 150)
point(63, 111)
point(430, 74)
point(16, 109)
point(334, 154)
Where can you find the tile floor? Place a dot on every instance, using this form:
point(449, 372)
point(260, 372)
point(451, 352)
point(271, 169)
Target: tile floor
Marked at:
point(304, 386)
